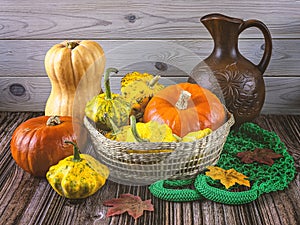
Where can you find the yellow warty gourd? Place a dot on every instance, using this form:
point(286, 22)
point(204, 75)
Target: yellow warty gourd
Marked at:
point(108, 105)
point(77, 176)
point(138, 88)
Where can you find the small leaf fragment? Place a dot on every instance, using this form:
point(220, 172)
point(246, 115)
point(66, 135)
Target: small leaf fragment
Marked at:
point(227, 177)
point(260, 155)
point(128, 203)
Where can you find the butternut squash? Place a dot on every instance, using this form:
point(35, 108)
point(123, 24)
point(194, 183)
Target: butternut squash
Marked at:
point(66, 64)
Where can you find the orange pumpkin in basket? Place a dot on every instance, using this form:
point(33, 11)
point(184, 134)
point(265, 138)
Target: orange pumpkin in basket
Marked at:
point(186, 107)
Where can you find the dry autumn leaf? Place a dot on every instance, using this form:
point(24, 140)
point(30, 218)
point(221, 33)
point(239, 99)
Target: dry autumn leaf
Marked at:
point(260, 155)
point(227, 177)
point(128, 203)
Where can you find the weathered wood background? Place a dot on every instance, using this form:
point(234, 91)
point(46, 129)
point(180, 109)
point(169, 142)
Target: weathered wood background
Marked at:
point(29, 28)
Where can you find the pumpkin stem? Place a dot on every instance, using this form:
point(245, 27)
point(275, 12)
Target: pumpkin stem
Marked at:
point(134, 130)
point(53, 121)
point(182, 102)
point(106, 82)
point(72, 44)
point(76, 157)
point(177, 137)
point(154, 81)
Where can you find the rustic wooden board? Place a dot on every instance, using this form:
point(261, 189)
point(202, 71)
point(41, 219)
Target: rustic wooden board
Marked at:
point(28, 200)
point(26, 57)
point(282, 94)
point(25, 66)
point(28, 30)
point(138, 19)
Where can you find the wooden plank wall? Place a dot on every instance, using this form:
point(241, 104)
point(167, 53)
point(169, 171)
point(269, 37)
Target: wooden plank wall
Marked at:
point(29, 28)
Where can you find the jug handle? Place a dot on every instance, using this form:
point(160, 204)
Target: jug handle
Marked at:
point(262, 65)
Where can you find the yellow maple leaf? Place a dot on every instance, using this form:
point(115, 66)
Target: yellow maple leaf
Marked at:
point(227, 177)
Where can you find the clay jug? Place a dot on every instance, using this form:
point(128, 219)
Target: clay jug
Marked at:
point(240, 81)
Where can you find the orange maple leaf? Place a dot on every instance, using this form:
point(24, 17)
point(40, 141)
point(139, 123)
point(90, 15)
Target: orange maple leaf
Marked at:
point(130, 203)
point(227, 177)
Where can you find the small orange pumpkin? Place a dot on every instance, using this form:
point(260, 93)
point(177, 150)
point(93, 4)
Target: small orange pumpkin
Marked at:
point(185, 108)
point(38, 143)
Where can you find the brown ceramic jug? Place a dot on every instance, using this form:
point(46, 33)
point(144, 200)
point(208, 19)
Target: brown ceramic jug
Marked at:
point(240, 81)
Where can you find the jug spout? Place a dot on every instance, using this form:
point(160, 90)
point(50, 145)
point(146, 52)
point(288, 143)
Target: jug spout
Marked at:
point(224, 31)
point(218, 24)
point(211, 20)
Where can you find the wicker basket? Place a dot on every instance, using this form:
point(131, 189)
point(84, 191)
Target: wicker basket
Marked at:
point(185, 161)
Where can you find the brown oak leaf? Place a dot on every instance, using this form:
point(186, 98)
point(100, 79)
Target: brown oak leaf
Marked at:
point(130, 203)
point(260, 155)
point(227, 177)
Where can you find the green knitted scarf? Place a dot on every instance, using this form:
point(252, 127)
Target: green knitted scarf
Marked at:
point(263, 178)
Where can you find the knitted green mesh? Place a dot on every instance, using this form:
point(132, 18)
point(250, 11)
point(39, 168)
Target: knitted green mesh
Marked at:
point(263, 178)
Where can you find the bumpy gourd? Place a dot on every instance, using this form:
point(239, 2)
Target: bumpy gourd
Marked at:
point(138, 89)
point(77, 176)
point(116, 133)
point(149, 132)
point(138, 108)
point(142, 132)
point(195, 135)
point(66, 64)
point(108, 104)
point(130, 77)
point(141, 88)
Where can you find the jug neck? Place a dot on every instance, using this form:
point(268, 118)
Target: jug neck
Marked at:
point(226, 47)
point(225, 32)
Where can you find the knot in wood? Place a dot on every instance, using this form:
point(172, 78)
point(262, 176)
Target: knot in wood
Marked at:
point(161, 66)
point(17, 89)
point(131, 18)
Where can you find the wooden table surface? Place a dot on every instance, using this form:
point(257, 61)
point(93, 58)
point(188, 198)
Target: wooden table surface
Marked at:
point(28, 200)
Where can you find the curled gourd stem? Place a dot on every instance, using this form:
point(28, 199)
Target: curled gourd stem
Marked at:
point(153, 81)
point(72, 44)
point(182, 102)
point(134, 130)
point(76, 157)
point(53, 121)
point(106, 82)
point(115, 128)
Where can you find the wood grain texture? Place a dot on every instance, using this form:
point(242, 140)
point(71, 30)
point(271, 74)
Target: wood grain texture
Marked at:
point(24, 58)
point(282, 94)
point(138, 19)
point(28, 30)
point(25, 66)
point(28, 200)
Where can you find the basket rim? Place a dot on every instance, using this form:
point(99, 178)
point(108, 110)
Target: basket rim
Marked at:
point(162, 145)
